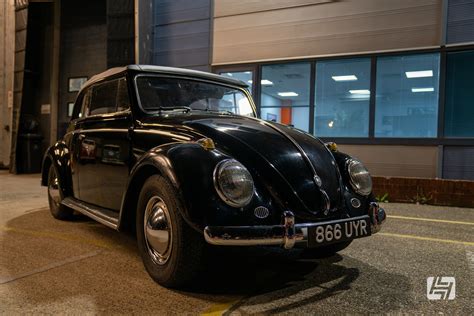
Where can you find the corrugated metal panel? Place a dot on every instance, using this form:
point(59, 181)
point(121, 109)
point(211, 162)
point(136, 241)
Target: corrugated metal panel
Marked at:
point(182, 33)
point(324, 28)
point(460, 21)
point(175, 11)
point(458, 163)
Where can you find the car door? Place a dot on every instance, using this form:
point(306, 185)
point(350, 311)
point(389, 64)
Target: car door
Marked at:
point(102, 144)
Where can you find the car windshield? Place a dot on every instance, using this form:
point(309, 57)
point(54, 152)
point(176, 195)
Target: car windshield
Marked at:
point(167, 94)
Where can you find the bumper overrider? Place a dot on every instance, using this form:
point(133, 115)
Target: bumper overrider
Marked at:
point(286, 235)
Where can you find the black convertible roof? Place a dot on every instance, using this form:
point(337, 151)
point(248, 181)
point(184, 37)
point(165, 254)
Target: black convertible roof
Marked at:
point(165, 70)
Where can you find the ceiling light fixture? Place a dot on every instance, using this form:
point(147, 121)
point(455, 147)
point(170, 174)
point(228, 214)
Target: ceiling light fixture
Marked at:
point(288, 94)
point(428, 89)
point(229, 74)
point(250, 81)
point(266, 82)
point(363, 91)
point(344, 78)
point(419, 74)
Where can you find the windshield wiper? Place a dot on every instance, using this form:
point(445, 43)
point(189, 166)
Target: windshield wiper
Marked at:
point(216, 111)
point(185, 109)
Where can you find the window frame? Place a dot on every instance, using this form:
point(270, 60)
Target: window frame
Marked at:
point(158, 112)
point(371, 139)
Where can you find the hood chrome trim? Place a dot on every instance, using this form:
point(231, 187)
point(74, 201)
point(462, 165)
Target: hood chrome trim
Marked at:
point(316, 178)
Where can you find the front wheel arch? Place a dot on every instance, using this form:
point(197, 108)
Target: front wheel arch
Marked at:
point(127, 220)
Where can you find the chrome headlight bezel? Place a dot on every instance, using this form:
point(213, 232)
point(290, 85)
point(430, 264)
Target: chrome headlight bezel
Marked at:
point(357, 185)
point(225, 196)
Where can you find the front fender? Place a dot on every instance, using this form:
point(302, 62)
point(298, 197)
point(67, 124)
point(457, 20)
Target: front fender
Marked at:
point(58, 155)
point(188, 167)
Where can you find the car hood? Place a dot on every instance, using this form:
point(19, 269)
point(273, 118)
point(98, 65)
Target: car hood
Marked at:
point(284, 159)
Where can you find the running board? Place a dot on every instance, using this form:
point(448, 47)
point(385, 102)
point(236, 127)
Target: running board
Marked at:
point(102, 215)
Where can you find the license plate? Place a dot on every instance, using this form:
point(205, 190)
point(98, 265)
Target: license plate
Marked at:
point(337, 231)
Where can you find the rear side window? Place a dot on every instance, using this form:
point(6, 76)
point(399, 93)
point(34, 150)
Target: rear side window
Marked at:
point(105, 98)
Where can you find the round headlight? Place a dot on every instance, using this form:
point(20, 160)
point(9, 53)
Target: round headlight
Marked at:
point(233, 183)
point(360, 178)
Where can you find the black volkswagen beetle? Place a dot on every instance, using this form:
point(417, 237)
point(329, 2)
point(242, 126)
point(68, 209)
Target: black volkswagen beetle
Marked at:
point(180, 157)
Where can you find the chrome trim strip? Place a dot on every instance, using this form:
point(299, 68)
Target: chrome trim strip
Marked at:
point(285, 235)
point(96, 213)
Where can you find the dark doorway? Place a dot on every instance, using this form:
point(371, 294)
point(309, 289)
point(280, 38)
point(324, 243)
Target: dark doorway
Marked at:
point(34, 128)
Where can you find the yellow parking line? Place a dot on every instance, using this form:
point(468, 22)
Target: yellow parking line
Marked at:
point(430, 220)
point(64, 237)
point(450, 241)
point(220, 308)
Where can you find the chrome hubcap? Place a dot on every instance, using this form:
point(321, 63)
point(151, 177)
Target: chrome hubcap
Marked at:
point(157, 228)
point(53, 189)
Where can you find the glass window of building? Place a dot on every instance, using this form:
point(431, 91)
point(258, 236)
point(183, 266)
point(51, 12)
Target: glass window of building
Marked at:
point(245, 76)
point(407, 96)
point(342, 97)
point(285, 94)
point(459, 105)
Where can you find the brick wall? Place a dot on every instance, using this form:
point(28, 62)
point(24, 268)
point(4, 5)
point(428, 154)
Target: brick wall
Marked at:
point(429, 191)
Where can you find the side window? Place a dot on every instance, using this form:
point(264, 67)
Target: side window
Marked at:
point(103, 99)
point(86, 100)
point(123, 101)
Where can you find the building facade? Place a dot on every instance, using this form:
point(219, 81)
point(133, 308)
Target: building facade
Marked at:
point(388, 80)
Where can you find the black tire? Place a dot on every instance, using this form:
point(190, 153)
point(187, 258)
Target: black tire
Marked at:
point(178, 263)
point(325, 251)
point(55, 196)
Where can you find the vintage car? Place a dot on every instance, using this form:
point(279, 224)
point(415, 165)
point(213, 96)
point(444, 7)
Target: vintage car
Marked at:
point(180, 157)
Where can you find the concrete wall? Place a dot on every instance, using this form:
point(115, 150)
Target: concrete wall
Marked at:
point(7, 50)
point(395, 160)
point(249, 30)
point(83, 48)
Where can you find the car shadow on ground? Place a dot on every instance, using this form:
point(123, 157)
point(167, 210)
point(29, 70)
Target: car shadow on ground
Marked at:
point(273, 280)
point(262, 276)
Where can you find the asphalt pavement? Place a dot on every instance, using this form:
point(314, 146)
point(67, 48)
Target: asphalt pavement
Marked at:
point(81, 267)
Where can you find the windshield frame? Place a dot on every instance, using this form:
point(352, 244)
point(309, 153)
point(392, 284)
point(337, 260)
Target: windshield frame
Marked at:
point(168, 76)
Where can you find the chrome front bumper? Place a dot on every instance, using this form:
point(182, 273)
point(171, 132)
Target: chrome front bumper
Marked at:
point(285, 235)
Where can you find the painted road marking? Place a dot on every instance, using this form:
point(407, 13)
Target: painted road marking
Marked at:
point(430, 220)
point(8, 279)
point(470, 260)
point(450, 241)
point(220, 308)
point(64, 237)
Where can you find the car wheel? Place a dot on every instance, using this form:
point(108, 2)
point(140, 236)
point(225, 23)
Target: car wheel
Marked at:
point(55, 196)
point(172, 252)
point(325, 251)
